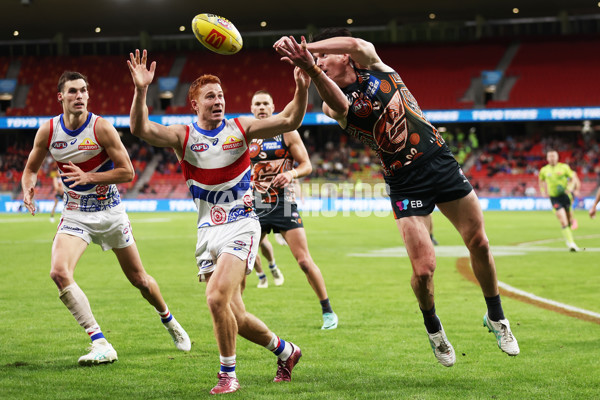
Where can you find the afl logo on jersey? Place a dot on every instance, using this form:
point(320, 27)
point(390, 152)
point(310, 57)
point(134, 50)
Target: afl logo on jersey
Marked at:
point(254, 149)
point(59, 145)
point(199, 147)
point(362, 108)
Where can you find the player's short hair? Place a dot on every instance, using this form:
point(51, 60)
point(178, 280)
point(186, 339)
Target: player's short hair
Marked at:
point(199, 83)
point(262, 92)
point(70, 76)
point(328, 33)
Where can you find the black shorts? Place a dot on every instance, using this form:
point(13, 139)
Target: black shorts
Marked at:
point(562, 201)
point(438, 180)
point(282, 216)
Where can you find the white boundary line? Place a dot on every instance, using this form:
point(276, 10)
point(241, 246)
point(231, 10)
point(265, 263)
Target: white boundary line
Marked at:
point(553, 303)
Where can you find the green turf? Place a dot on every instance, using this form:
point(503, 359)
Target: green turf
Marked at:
point(379, 351)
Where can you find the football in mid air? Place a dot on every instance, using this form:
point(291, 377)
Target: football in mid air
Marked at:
point(217, 34)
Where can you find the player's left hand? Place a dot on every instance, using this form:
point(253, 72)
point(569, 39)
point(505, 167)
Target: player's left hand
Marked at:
point(74, 175)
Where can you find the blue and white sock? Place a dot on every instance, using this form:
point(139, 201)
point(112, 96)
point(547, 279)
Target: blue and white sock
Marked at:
point(95, 332)
point(165, 317)
point(279, 347)
point(228, 365)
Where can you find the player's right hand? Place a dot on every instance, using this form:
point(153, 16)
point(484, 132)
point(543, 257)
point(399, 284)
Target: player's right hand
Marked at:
point(28, 201)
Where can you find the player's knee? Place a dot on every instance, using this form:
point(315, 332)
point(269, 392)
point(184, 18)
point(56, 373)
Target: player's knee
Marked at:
point(424, 271)
point(478, 243)
point(215, 302)
point(306, 264)
point(60, 276)
point(141, 281)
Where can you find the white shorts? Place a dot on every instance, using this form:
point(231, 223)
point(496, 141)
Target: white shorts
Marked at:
point(109, 228)
point(239, 238)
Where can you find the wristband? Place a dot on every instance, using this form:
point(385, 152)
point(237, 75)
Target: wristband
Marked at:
point(294, 173)
point(313, 71)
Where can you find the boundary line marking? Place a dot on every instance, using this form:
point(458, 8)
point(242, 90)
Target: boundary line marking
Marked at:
point(463, 266)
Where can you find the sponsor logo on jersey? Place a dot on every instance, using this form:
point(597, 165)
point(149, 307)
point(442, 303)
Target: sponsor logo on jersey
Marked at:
point(215, 141)
point(405, 204)
point(232, 143)
point(240, 243)
point(199, 147)
point(126, 230)
point(372, 87)
point(72, 206)
point(73, 195)
point(88, 144)
point(59, 145)
point(272, 145)
point(218, 215)
point(73, 141)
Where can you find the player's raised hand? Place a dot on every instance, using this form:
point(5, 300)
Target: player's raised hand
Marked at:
point(141, 75)
point(293, 52)
point(302, 79)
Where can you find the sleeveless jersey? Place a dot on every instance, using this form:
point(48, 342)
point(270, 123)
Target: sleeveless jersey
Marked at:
point(271, 157)
point(216, 166)
point(556, 178)
point(384, 115)
point(82, 147)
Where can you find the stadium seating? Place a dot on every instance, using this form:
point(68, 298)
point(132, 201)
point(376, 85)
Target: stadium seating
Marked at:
point(560, 72)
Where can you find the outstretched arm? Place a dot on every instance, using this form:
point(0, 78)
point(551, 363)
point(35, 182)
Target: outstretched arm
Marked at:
point(34, 162)
point(287, 120)
point(336, 105)
point(156, 134)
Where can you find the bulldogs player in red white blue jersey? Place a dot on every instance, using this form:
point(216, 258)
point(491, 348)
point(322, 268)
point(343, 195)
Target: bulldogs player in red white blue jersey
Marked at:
point(370, 101)
point(214, 158)
point(273, 161)
point(91, 160)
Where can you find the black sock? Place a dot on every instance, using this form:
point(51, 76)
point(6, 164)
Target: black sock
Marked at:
point(432, 322)
point(494, 306)
point(325, 306)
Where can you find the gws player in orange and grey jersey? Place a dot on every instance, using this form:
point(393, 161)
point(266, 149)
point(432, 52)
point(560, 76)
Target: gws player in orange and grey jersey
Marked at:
point(214, 157)
point(91, 159)
point(274, 177)
point(370, 101)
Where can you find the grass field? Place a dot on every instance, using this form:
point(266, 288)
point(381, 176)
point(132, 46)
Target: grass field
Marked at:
point(379, 351)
